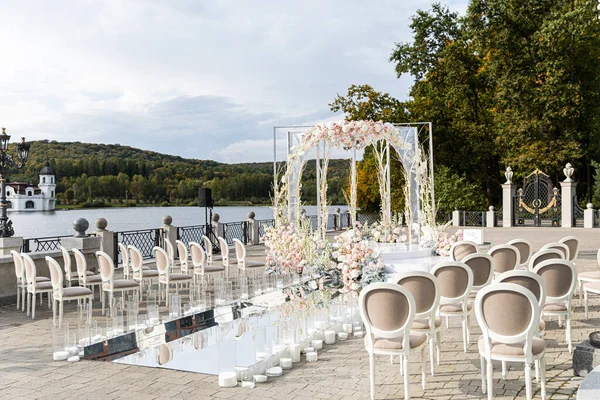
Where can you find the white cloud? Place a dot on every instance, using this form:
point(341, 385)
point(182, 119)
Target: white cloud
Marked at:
point(178, 75)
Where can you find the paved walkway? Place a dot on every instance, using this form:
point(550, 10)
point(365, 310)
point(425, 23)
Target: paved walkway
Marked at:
point(28, 372)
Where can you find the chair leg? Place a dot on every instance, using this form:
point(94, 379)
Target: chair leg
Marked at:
point(405, 367)
point(91, 308)
point(392, 360)
point(18, 297)
point(60, 313)
point(585, 302)
point(111, 297)
point(504, 370)
point(23, 293)
point(41, 298)
point(438, 344)
point(568, 333)
point(53, 312)
point(490, 379)
point(560, 324)
point(423, 367)
point(102, 299)
point(372, 374)
point(400, 360)
point(464, 328)
point(580, 290)
point(431, 335)
point(468, 329)
point(167, 295)
point(33, 306)
point(49, 295)
point(537, 370)
point(28, 303)
point(528, 381)
point(542, 364)
point(482, 370)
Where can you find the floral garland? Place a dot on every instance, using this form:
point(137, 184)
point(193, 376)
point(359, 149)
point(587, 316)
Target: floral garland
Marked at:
point(358, 263)
point(445, 242)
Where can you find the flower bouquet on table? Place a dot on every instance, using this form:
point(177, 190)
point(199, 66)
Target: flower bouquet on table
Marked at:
point(284, 249)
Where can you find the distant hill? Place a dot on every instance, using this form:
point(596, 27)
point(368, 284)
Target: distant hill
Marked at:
point(92, 174)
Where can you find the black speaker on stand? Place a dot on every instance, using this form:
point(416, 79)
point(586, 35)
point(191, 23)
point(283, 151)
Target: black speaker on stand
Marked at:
point(205, 200)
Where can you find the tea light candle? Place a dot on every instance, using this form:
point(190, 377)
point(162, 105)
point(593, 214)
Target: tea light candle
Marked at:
point(274, 371)
point(359, 334)
point(227, 379)
point(60, 355)
point(342, 335)
point(309, 349)
point(73, 351)
point(295, 352)
point(260, 378)
point(73, 359)
point(286, 363)
point(347, 328)
point(247, 384)
point(317, 344)
point(329, 337)
point(311, 356)
point(96, 338)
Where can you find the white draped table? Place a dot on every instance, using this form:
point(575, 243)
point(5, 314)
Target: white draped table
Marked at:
point(400, 258)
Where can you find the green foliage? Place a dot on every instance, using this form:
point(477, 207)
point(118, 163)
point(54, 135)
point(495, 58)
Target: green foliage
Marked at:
point(455, 192)
point(596, 188)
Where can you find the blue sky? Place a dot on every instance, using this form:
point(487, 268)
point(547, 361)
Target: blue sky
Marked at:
point(196, 78)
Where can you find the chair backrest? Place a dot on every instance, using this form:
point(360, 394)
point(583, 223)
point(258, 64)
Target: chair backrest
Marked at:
point(19, 269)
point(170, 252)
point(107, 269)
point(544, 255)
point(183, 255)
point(240, 250)
point(30, 270)
point(425, 290)
point(461, 249)
point(455, 281)
point(198, 255)
point(81, 266)
point(507, 313)
point(560, 278)
point(224, 249)
point(388, 311)
point(66, 262)
point(525, 250)
point(529, 280)
point(208, 248)
point(506, 257)
point(563, 248)
point(573, 244)
point(124, 256)
point(162, 261)
point(136, 259)
point(56, 276)
point(482, 266)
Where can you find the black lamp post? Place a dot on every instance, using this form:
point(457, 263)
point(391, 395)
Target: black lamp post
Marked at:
point(7, 164)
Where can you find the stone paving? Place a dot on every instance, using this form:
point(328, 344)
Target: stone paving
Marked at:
point(28, 372)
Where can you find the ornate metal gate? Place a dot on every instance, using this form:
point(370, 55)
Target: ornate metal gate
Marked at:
point(538, 202)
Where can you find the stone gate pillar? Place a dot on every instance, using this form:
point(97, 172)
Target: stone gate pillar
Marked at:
point(509, 189)
point(567, 194)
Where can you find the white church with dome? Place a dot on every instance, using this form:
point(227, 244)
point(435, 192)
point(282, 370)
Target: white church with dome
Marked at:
point(23, 196)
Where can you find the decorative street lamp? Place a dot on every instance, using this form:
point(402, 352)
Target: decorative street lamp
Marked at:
point(7, 164)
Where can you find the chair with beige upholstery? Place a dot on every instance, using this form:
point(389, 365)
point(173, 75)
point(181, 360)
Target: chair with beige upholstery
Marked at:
point(425, 290)
point(461, 249)
point(69, 274)
point(388, 312)
point(33, 285)
point(60, 294)
point(525, 251)
point(535, 284)
point(208, 248)
point(165, 277)
point(171, 253)
point(588, 277)
point(226, 260)
point(111, 285)
point(22, 279)
point(482, 266)
point(560, 278)
point(573, 244)
point(240, 253)
point(125, 259)
point(544, 255)
point(86, 280)
point(456, 281)
point(505, 257)
point(138, 273)
point(563, 248)
point(509, 315)
point(183, 254)
point(201, 268)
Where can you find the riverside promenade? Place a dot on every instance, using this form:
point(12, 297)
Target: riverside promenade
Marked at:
point(28, 372)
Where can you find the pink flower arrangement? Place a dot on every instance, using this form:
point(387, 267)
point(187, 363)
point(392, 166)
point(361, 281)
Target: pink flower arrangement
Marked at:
point(445, 242)
point(283, 249)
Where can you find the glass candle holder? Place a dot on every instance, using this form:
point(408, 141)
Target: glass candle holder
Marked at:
point(174, 306)
point(60, 342)
point(243, 284)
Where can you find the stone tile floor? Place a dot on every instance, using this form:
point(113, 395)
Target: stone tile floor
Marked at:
point(28, 372)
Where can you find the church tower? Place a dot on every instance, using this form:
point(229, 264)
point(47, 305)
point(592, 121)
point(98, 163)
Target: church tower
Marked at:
point(47, 186)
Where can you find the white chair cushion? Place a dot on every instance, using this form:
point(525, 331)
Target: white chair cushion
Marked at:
point(454, 308)
point(416, 340)
point(423, 324)
point(514, 349)
point(76, 292)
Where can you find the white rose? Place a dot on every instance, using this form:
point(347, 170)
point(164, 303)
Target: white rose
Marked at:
point(354, 274)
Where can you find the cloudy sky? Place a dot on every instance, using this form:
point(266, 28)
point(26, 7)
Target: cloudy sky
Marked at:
point(201, 79)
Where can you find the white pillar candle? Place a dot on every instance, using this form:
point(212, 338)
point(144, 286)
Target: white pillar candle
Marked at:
point(260, 378)
point(227, 379)
point(329, 337)
point(347, 328)
point(295, 352)
point(286, 363)
point(60, 355)
point(248, 384)
point(274, 371)
point(317, 344)
point(359, 334)
point(309, 349)
point(342, 335)
point(73, 359)
point(311, 357)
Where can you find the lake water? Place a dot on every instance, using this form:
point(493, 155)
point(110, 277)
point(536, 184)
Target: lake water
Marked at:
point(54, 223)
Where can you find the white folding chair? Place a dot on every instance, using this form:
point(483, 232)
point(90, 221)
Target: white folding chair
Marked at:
point(124, 259)
point(201, 267)
point(111, 285)
point(165, 277)
point(22, 279)
point(226, 260)
point(240, 254)
point(33, 285)
point(86, 280)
